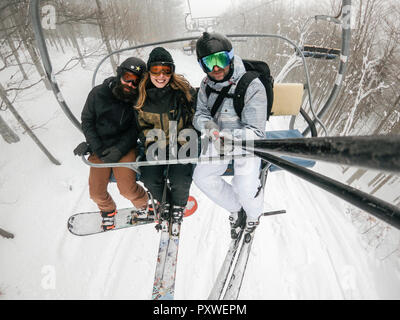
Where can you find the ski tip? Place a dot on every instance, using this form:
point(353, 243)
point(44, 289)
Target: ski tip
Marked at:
point(191, 206)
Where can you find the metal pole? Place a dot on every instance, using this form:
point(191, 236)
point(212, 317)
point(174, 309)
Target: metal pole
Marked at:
point(381, 152)
point(377, 207)
point(344, 56)
point(41, 43)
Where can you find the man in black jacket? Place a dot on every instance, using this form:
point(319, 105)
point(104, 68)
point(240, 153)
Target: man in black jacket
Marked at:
point(109, 126)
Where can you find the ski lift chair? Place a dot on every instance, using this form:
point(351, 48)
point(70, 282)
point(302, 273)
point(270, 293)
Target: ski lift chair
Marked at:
point(316, 52)
point(287, 102)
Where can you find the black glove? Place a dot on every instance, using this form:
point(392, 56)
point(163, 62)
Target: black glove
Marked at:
point(82, 149)
point(111, 154)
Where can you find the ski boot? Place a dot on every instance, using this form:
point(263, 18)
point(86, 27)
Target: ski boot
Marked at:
point(177, 216)
point(141, 214)
point(149, 211)
point(177, 213)
point(165, 215)
point(108, 222)
point(251, 226)
point(238, 222)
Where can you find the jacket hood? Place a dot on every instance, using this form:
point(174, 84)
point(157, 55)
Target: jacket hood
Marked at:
point(110, 82)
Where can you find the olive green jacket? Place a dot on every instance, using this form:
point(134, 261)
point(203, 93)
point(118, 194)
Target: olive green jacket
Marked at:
point(162, 106)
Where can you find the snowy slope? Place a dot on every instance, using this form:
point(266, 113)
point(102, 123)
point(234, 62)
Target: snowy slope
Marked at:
point(311, 252)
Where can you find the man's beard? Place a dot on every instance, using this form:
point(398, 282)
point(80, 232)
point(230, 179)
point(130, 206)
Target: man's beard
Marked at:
point(129, 95)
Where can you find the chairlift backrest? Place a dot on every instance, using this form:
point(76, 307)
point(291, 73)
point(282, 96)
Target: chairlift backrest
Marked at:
point(288, 98)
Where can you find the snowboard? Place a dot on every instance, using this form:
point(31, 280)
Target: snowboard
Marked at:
point(88, 223)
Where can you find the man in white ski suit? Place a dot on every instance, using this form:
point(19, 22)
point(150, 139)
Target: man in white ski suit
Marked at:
point(251, 125)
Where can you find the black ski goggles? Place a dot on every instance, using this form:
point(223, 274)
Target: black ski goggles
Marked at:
point(156, 68)
point(220, 59)
point(130, 77)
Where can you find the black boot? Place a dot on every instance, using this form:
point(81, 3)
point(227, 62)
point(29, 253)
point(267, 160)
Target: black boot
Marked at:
point(108, 222)
point(177, 216)
point(166, 211)
point(177, 213)
point(238, 222)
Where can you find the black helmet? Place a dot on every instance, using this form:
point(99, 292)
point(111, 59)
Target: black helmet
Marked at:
point(135, 65)
point(210, 43)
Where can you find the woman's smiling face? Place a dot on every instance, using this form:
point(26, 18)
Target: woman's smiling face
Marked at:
point(161, 80)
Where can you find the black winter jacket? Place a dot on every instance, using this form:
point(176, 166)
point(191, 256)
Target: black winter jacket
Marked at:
point(108, 121)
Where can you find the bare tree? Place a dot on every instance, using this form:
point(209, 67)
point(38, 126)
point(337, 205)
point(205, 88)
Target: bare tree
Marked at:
point(3, 96)
point(7, 133)
point(14, 51)
point(104, 32)
point(372, 82)
point(19, 19)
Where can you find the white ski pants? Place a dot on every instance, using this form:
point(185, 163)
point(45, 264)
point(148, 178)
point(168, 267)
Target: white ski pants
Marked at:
point(237, 194)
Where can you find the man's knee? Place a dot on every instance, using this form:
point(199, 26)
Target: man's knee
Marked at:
point(101, 198)
point(246, 188)
point(128, 190)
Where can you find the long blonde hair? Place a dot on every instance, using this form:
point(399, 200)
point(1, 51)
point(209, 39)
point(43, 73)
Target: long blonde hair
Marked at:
point(177, 82)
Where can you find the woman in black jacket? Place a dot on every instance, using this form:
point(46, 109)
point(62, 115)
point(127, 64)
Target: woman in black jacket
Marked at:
point(165, 96)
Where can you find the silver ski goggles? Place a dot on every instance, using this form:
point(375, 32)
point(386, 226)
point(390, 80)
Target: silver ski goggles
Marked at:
point(220, 59)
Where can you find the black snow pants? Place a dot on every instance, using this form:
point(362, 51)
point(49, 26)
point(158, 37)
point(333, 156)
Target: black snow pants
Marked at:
point(180, 178)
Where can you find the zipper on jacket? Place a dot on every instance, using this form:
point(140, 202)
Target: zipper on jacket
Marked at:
point(122, 116)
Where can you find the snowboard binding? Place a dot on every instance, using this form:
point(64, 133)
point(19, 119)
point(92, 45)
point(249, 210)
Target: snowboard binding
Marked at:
point(108, 222)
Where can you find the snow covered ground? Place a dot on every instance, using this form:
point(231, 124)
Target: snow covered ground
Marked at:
point(314, 251)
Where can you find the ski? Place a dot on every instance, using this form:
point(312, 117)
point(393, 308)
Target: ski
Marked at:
point(235, 282)
point(238, 272)
point(161, 257)
point(164, 278)
point(219, 283)
point(89, 223)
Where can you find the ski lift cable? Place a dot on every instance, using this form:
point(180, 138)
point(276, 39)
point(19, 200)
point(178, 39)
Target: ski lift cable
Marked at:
point(254, 8)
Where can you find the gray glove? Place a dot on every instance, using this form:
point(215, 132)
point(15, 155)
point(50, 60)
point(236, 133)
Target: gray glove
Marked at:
point(82, 149)
point(218, 137)
point(111, 154)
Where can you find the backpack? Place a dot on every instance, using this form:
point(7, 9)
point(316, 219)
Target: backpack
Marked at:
point(254, 69)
